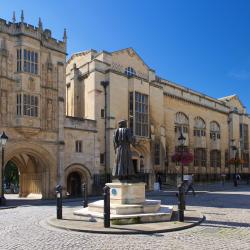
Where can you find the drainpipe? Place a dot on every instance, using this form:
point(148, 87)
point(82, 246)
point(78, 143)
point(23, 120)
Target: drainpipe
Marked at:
point(105, 84)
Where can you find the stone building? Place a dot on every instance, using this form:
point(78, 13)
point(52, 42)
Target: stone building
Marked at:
point(157, 110)
point(46, 147)
point(60, 126)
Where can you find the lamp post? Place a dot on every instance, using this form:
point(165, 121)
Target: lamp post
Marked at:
point(3, 141)
point(105, 84)
point(235, 149)
point(182, 140)
point(181, 188)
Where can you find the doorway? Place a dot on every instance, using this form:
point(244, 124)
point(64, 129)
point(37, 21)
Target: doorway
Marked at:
point(74, 184)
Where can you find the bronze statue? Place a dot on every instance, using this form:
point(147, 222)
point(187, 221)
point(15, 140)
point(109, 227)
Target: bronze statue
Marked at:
point(123, 168)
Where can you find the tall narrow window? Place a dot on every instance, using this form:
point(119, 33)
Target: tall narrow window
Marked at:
point(157, 153)
point(19, 104)
point(131, 111)
point(244, 136)
point(141, 114)
point(19, 60)
point(78, 146)
point(102, 113)
point(102, 155)
point(245, 157)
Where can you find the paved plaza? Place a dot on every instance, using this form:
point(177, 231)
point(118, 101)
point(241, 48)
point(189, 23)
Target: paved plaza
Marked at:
point(227, 225)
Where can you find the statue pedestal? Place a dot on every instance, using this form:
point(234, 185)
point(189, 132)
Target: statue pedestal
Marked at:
point(128, 206)
point(127, 193)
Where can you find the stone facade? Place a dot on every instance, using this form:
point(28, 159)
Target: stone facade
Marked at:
point(157, 110)
point(56, 121)
point(42, 141)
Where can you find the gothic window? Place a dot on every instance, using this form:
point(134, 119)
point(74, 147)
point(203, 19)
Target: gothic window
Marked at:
point(215, 158)
point(30, 105)
point(214, 131)
point(78, 146)
point(129, 71)
point(199, 127)
point(30, 61)
point(200, 157)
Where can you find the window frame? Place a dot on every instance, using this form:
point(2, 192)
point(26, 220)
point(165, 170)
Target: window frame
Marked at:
point(139, 114)
point(78, 146)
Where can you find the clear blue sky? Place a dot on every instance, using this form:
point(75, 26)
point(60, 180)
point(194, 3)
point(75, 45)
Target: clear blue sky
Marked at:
point(201, 44)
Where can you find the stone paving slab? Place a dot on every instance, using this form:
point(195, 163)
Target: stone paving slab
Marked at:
point(78, 223)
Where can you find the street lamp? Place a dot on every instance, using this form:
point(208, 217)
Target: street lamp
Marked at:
point(3, 141)
point(181, 188)
point(182, 140)
point(235, 149)
point(105, 84)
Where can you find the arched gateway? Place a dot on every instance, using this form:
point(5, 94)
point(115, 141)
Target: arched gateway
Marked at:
point(36, 166)
point(75, 175)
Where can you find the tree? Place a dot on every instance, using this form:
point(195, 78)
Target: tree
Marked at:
point(11, 174)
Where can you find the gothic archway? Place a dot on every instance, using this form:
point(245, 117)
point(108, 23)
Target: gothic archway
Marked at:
point(75, 175)
point(35, 165)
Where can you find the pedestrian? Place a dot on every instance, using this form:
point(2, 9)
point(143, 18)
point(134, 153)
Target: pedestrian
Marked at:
point(238, 178)
point(190, 187)
point(159, 181)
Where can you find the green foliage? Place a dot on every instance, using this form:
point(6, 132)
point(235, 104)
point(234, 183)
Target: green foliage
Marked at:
point(11, 173)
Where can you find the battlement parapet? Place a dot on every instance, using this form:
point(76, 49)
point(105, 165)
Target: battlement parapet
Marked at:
point(42, 35)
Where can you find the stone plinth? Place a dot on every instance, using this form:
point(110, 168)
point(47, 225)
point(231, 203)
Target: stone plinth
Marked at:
point(128, 206)
point(149, 206)
point(127, 193)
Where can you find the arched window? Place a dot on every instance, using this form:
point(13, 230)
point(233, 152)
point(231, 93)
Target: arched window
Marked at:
point(129, 71)
point(214, 130)
point(181, 123)
point(199, 127)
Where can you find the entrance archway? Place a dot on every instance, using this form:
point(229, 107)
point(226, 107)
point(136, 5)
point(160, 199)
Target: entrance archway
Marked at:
point(34, 164)
point(75, 176)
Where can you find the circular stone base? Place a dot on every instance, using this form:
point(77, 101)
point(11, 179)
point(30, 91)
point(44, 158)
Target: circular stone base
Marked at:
point(78, 223)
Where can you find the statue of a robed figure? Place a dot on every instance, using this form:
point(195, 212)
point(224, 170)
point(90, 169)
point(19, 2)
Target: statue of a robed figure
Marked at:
point(127, 197)
point(123, 169)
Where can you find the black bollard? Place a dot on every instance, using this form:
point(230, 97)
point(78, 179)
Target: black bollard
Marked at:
point(59, 202)
point(181, 202)
point(85, 194)
point(106, 195)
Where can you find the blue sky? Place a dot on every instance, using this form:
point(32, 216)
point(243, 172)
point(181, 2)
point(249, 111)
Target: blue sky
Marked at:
point(203, 45)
